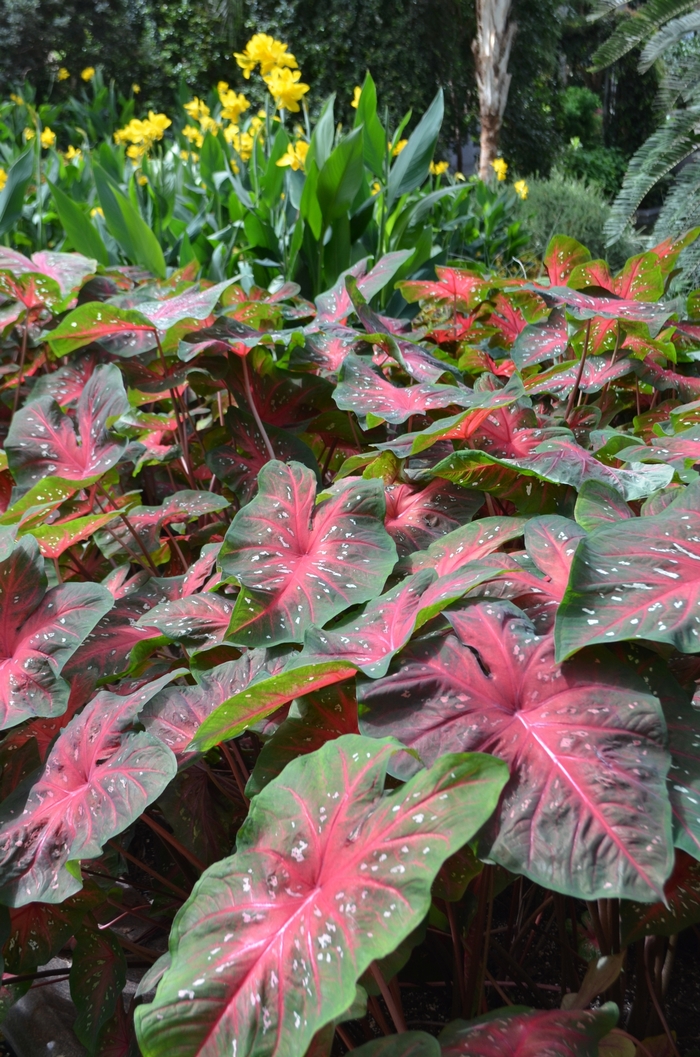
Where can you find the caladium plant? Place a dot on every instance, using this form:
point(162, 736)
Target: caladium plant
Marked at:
point(244, 537)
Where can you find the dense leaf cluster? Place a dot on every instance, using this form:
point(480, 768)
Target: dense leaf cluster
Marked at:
point(321, 628)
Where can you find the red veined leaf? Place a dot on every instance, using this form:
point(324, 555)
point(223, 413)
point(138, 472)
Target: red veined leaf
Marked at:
point(561, 257)
point(97, 780)
point(97, 979)
point(598, 371)
point(649, 371)
point(522, 487)
point(462, 288)
point(680, 907)
point(191, 304)
point(460, 426)
point(69, 270)
point(494, 686)
point(515, 1032)
point(467, 544)
point(123, 331)
point(542, 341)
point(198, 621)
point(366, 392)
point(57, 537)
point(668, 251)
point(598, 504)
point(40, 631)
point(325, 348)
point(370, 639)
point(38, 931)
point(282, 398)
point(239, 460)
point(638, 579)
point(551, 542)
point(299, 564)
point(512, 432)
point(313, 720)
point(67, 383)
point(414, 359)
point(496, 575)
point(147, 521)
point(335, 305)
point(42, 440)
point(640, 279)
point(415, 517)
point(300, 950)
point(118, 1038)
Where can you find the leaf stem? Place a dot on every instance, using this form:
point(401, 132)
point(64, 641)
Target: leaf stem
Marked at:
point(254, 409)
point(236, 771)
point(147, 869)
point(172, 840)
point(22, 357)
point(132, 530)
point(395, 1012)
point(579, 373)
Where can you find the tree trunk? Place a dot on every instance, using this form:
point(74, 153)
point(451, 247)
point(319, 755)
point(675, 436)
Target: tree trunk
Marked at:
point(494, 39)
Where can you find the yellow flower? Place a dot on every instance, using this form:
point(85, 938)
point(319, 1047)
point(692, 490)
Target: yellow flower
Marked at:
point(356, 97)
point(295, 155)
point(141, 179)
point(500, 167)
point(285, 88)
point(29, 133)
point(460, 177)
point(3, 178)
point(62, 74)
point(142, 134)
point(521, 189)
point(266, 51)
point(376, 187)
point(232, 105)
point(157, 124)
point(208, 124)
point(16, 99)
point(72, 154)
point(48, 138)
point(399, 147)
point(185, 155)
point(136, 88)
point(97, 212)
point(222, 87)
point(88, 73)
point(437, 168)
point(136, 152)
point(196, 109)
point(193, 135)
point(256, 124)
point(242, 142)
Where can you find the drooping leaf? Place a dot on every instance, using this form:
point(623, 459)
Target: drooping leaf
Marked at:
point(298, 564)
point(40, 631)
point(562, 255)
point(515, 1032)
point(199, 621)
point(494, 686)
point(366, 392)
point(526, 489)
point(284, 915)
point(122, 330)
point(38, 931)
point(42, 440)
point(637, 579)
point(467, 544)
point(97, 780)
point(416, 517)
point(97, 978)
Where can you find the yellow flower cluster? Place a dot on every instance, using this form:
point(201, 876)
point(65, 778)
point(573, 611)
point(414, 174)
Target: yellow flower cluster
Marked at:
point(266, 52)
point(72, 154)
point(437, 168)
point(47, 138)
point(197, 110)
point(141, 135)
point(16, 99)
point(500, 167)
point(521, 189)
point(295, 155)
point(233, 103)
point(62, 74)
point(398, 148)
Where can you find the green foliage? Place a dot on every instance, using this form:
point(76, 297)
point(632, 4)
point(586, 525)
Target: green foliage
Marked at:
point(602, 166)
point(581, 116)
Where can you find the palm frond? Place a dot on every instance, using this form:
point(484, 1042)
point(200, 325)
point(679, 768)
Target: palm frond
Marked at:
point(667, 147)
point(665, 38)
point(680, 212)
point(638, 26)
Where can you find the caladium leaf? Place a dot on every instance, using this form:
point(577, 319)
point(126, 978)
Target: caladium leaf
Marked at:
point(495, 686)
point(204, 808)
point(126, 332)
point(300, 949)
point(147, 521)
point(562, 255)
point(97, 978)
point(598, 371)
point(366, 392)
point(42, 440)
point(97, 780)
point(641, 278)
point(416, 517)
point(500, 477)
point(459, 287)
point(551, 542)
point(638, 579)
point(199, 621)
point(541, 341)
point(467, 544)
point(238, 460)
point(566, 462)
point(598, 504)
point(407, 1044)
point(680, 907)
point(38, 931)
point(515, 1032)
point(40, 631)
point(300, 565)
point(326, 348)
point(335, 305)
point(313, 720)
point(67, 383)
point(371, 638)
point(191, 304)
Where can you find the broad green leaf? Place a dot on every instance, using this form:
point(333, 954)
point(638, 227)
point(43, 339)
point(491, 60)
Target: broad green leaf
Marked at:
point(82, 233)
point(95, 321)
point(411, 167)
point(12, 195)
point(329, 875)
point(340, 177)
point(125, 224)
point(375, 137)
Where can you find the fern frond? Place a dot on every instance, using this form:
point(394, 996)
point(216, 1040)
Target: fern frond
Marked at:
point(665, 38)
point(667, 147)
point(640, 24)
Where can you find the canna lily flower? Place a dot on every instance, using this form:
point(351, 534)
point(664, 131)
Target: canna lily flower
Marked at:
point(399, 147)
point(242, 142)
point(47, 138)
point(460, 177)
point(16, 99)
point(208, 124)
point(196, 109)
point(97, 211)
point(88, 73)
point(136, 88)
point(264, 50)
point(521, 189)
point(72, 154)
point(295, 155)
point(63, 74)
point(437, 168)
point(376, 187)
point(233, 104)
point(29, 134)
point(500, 167)
point(193, 135)
point(356, 97)
point(3, 178)
point(285, 88)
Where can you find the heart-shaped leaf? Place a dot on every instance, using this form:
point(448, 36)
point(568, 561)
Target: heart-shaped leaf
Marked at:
point(415, 517)
point(303, 907)
point(300, 565)
point(366, 392)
